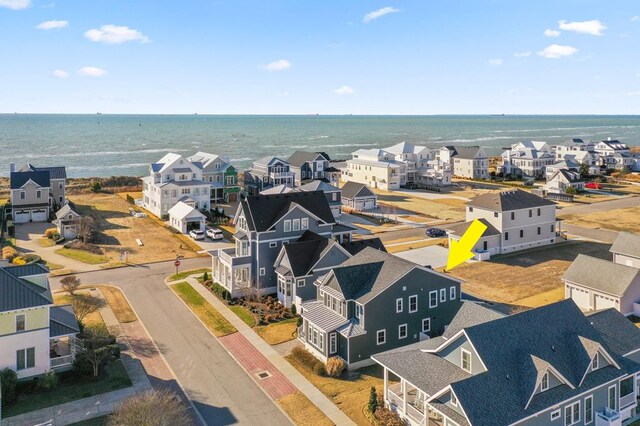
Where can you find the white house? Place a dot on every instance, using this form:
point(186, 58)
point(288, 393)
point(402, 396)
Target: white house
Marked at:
point(465, 161)
point(172, 179)
point(527, 158)
point(561, 180)
point(375, 168)
point(66, 222)
point(185, 217)
point(626, 249)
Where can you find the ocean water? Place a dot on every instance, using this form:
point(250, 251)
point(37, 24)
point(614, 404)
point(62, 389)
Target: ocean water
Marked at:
point(108, 145)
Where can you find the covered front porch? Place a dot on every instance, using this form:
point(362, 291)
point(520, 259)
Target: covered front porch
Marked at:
point(231, 271)
point(62, 351)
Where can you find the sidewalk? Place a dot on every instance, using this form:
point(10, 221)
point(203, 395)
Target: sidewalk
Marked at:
point(238, 348)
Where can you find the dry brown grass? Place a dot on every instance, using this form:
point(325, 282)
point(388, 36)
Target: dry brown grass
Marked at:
point(92, 319)
point(627, 219)
point(350, 395)
point(529, 278)
point(279, 332)
point(118, 231)
point(302, 411)
point(416, 219)
point(414, 245)
point(444, 208)
point(118, 304)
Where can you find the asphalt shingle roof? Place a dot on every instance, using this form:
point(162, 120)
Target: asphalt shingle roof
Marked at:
point(42, 178)
point(465, 152)
point(461, 228)
point(306, 252)
point(627, 244)
point(597, 274)
point(350, 190)
point(508, 201)
point(356, 246)
point(616, 330)
point(54, 172)
point(298, 158)
point(470, 314)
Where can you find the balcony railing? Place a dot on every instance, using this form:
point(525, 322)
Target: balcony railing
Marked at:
point(628, 400)
point(61, 361)
point(228, 257)
point(280, 174)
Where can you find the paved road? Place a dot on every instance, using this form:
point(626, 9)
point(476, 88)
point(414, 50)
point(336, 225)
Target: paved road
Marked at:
point(219, 388)
point(602, 206)
point(604, 235)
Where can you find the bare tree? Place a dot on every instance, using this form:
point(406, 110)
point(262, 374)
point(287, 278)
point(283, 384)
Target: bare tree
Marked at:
point(86, 228)
point(84, 304)
point(96, 346)
point(70, 284)
point(158, 408)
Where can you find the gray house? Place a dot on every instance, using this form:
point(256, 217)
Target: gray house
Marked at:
point(547, 366)
point(626, 249)
point(58, 180)
point(30, 196)
point(308, 166)
point(375, 302)
point(358, 196)
point(264, 223)
point(268, 172)
point(333, 193)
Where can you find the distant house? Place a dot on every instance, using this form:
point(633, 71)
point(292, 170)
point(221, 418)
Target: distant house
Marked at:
point(184, 217)
point(376, 168)
point(573, 147)
point(561, 180)
point(375, 302)
point(596, 284)
point(221, 176)
point(333, 193)
point(466, 161)
point(546, 366)
point(357, 196)
point(67, 222)
point(58, 180)
point(527, 159)
point(614, 154)
point(36, 192)
point(307, 166)
point(36, 336)
point(515, 220)
point(266, 173)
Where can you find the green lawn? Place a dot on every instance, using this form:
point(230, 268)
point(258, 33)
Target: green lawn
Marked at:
point(53, 266)
point(218, 324)
point(72, 388)
point(184, 274)
point(244, 315)
point(82, 256)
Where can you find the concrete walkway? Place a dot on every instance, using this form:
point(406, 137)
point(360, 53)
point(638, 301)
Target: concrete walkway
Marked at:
point(297, 379)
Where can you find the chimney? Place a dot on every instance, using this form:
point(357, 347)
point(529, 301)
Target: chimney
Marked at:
point(12, 167)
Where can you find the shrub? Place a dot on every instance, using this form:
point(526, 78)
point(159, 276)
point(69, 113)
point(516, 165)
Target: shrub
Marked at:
point(49, 233)
point(386, 416)
point(161, 408)
point(309, 361)
point(299, 322)
point(205, 277)
point(268, 318)
point(293, 310)
point(319, 369)
point(335, 366)
point(48, 381)
point(9, 381)
point(9, 253)
point(31, 258)
point(373, 400)
point(18, 260)
point(11, 230)
point(571, 190)
point(96, 186)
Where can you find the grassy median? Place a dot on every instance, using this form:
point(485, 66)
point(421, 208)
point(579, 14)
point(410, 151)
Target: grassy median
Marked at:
point(302, 411)
point(118, 304)
point(82, 256)
point(214, 321)
point(184, 274)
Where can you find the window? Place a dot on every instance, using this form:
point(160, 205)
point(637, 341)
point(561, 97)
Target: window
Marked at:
point(513, 215)
point(545, 382)
point(506, 236)
point(426, 324)
point(25, 358)
point(588, 410)
point(262, 272)
point(300, 282)
point(626, 386)
point(22, 195)
point(539, 230)
point(59, 185)
point(530, 213)
point(454, 400)
point(333, 343)
point(413, 303)
point(305, 223)
point(470, 209)
point(398, 305)
point(20, 322)
point(495, 214)
point(443, 295)
point(466, 360)
point(274, 244)
point(38, 194)
point(611, 401)
point(521, 233)
point(594, 363)
point(452, 293)
point(538, 212)
point(433, 299)
point(555, 415)
point(359, 312)
point(552, 228)
point(229, 180)
point(334, 196)
point(296, 224)
point(287, 226)
point(381, 337)
point(485, 245)
point(572, 414)
point(402, 331)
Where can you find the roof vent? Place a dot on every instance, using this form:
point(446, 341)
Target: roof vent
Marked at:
point(507, 377)
point(553, 348)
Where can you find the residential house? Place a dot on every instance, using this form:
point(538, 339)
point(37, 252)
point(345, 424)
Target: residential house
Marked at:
point(67, 222)
point(375, 168)
point(573, 147)
point(418, 167)
point(515, 220)
point(268, 172)
point(596, 284)
point(30, 196)
point(562, 180)
point(567, 164)
point(375, 302)
point(184, 217)
point(333, 193)
point(58, 181)
point(468, 161)
point(614, 154)
point(36, 336)
point(264, 223)
point(358, 196)
point(549, 365)
point(527, 159)
point(171, 180)
point(307, 166)
point(221, 176)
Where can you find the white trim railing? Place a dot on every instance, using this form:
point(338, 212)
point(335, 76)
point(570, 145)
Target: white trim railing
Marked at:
point(61, 361)
point(628, 400)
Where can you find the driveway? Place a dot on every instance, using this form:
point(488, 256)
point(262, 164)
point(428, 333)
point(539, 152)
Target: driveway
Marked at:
point(436, 256)
point(208, 244)
point(621, 203)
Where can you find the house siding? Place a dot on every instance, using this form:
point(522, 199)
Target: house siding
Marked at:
point(621, 259)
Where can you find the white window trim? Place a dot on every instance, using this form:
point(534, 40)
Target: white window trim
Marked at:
point(287, 226)
point(595, 363)
point(435, 305)
point(570, 407)
point(453, 293)
point(406, 331)
point(415, 296)
point(263, 272)
point(556, 414)
point(542, 387)
point(298, 281)
point(462, 352)
point(615, 398)
point(333, 343)
point(429, 322)
point(399, 305)
point(592, 410)
point(384, 337)
point(443, 295)
point(25, 322)
point(273, 245)
point(454, 399)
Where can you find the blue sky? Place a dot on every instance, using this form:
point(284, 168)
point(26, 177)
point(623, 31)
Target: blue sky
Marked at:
point(328, 57)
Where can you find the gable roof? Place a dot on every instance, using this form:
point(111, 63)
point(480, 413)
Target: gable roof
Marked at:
point(508, 200)
point(183, 210)
point(263, 211)
point(461, 228)
point(62, 321)
point(596, 274)
point(27, 270)
point(465, 152)
point(41, 178)
point(307, 251)
point(570, 176)
point(470, 314)
point(627, 244)
point(268, 160)
point(405, 148)
point(356, 246)
point(298, 158)
point(621, 335)
point(351, 190)
point(17, 293)
point(278, 189)
point(319, 185)
point(59, 172)
point(65, 210)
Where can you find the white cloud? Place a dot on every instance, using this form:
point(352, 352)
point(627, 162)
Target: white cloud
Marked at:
point(114, 34)
point(279, 65)
point(495, 61)
point(379, 13)
point(593, 27)
point(551, 33)
point(15, 4)
point(522, 54)
point(52, 25)
point(635, 18)
point(60, 74)
point(632, 94)
point(555, 51)
point(91, 72)
point(344, 90)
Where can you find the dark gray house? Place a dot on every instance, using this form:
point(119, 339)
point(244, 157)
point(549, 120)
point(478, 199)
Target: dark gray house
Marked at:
point(268, 172)
point(333, 194)
point(375, 302)
point(548, 366)
point(264, 223)
point(358, 196)
point(309, 166)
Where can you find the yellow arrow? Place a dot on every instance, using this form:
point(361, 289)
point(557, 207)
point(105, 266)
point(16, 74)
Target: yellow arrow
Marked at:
point(460, 251)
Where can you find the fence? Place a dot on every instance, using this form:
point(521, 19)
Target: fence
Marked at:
point(423, 187)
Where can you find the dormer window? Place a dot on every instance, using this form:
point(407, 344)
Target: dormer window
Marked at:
point(465, 360)
point(454, 400)
point(594, 363)
point(544, 385)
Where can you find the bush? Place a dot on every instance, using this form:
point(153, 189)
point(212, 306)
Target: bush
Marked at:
point(9, 381)
point(9, 253)
point(48, 381)
point(205, 277)
point(31, 258)
point(49, 233)
point(373, 400)
point(294, 310)
point(268, 318)
point(11, 230)
point(571, 190)
point(18, 260)
point(320, 369)
point(165, 217)
point(309, 361)
point(96, 186)
point(335, 366)
point(299, 322)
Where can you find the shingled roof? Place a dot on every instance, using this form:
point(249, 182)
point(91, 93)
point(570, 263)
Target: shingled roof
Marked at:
point(508, 200)
point(461, 228)
point(350, 190)
point(596, 274)
point(58, 172)
point(41, 178)
point(307, 251)
point(298, 158)
point(627, 244)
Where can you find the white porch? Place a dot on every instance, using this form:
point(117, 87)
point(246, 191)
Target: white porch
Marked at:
point(62, 351)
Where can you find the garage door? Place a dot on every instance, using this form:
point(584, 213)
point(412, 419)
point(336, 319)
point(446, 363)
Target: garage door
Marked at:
point(21, 216)
point(359, 205)
point(370, 204)
point(581, 297)
point(604, 302)
point(39, 215)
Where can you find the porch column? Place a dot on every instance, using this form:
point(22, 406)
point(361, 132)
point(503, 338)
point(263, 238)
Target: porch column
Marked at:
point(404, 396)
point(386, 380)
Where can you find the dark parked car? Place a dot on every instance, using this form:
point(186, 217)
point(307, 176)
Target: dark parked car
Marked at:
point(436, 232)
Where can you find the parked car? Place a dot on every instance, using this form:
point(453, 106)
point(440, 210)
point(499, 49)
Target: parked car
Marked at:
point(593, 185)
point(215, 234)
point(436, 232)
point(140, 214)
point(197, 235)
